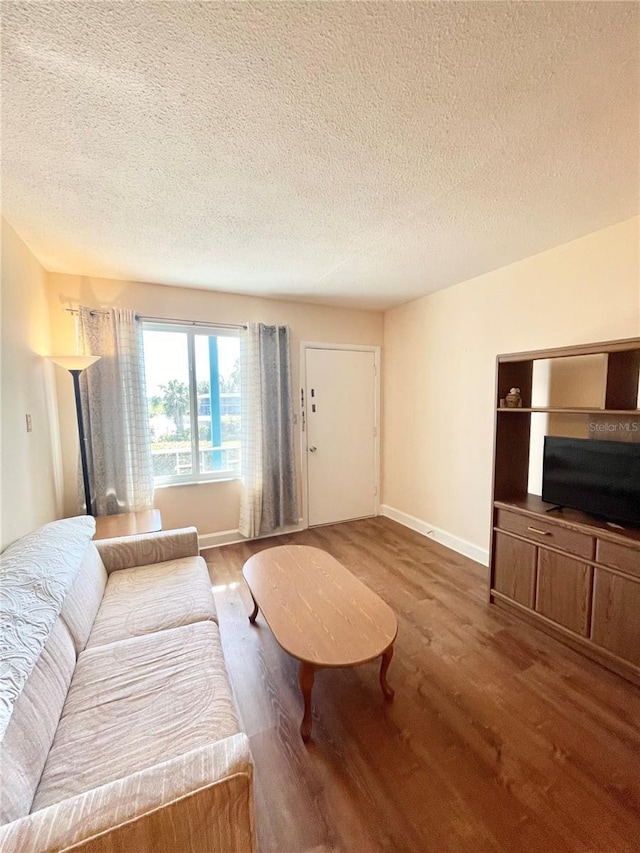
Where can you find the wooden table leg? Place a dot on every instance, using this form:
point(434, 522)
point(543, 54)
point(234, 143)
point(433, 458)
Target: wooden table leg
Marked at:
point(306, 675)
point(388, 692)
point(254, 614)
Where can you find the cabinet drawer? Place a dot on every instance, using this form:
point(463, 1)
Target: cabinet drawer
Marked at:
point(514, 569)
point(564, 590)
point(618, 556)
point(616, 604)
point(547, 533)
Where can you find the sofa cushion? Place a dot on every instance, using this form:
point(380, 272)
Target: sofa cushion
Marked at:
point(151, 598)
point(33, 724)
point(136, 703)
point(83, 599)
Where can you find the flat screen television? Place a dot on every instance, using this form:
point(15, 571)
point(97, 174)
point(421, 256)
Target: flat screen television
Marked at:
point(601, 478)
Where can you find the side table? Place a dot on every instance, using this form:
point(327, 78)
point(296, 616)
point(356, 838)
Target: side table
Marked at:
point(128, 523)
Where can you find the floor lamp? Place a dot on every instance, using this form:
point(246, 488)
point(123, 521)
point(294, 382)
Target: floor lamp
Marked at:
point(75, 364)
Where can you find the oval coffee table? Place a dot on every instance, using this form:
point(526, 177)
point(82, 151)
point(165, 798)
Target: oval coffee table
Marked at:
point(320, 614)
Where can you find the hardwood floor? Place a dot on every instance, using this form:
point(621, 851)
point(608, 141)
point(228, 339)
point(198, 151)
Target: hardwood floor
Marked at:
point(499, 738)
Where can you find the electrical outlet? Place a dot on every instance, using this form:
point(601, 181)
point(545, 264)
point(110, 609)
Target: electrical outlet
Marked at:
point(29, 424)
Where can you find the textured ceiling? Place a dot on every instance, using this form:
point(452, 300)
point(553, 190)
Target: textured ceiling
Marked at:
point(338, 152)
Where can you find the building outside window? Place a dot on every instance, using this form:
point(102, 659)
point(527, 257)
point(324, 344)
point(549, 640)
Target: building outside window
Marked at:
point(193, 400)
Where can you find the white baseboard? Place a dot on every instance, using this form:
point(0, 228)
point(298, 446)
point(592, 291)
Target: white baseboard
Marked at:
point(467, 549)
point(232, 537)
point(223, 537)
point(461, 546)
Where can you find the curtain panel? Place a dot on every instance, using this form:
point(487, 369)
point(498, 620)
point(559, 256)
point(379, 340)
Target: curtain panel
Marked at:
point(269, 498)
point(114, 403)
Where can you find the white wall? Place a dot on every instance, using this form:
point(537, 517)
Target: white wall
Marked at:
point(212, 507)
point(439, 368)
point(30, 473)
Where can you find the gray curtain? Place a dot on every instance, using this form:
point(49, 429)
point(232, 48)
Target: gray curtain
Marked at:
point(269, 496)
point(114, 405)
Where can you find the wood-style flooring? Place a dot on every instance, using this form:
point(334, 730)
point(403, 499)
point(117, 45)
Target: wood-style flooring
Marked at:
point(499, 738)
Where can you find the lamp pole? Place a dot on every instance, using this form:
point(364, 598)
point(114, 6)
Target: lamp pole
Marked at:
point(83, 442)
point(75, 364)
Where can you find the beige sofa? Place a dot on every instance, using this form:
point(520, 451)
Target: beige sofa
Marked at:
point(118, 725)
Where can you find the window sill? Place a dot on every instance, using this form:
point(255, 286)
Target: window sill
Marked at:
point(195, 483)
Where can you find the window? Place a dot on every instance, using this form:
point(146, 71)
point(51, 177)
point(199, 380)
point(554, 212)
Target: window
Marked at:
point(193, 399)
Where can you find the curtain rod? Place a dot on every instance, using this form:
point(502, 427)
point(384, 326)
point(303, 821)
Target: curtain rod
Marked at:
point(169, 320)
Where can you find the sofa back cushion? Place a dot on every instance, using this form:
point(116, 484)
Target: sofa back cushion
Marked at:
point(83, 599)
point(33, 723)
point(36, 574)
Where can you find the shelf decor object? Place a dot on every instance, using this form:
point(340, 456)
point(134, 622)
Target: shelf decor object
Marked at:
point(75, 364)
point(513, 399)
point(574, 576)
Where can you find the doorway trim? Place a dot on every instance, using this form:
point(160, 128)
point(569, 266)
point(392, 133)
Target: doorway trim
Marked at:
point(302, 416)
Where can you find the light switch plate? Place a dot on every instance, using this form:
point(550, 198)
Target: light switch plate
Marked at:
point(29, 424)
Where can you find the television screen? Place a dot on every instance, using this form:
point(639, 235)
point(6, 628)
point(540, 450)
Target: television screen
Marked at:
point(598, 477)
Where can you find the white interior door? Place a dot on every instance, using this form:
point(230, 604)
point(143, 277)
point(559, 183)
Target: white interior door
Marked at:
point(340, 403)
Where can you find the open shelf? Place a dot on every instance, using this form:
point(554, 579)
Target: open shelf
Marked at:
point(620, 346)
point(569, 410)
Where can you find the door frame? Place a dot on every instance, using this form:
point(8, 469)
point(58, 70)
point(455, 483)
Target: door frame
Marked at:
point(302, 417)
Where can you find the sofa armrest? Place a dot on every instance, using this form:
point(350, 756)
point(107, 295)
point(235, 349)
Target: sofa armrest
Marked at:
point(200, 802)
point(127, 552)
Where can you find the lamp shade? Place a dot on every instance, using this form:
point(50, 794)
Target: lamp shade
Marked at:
point(74, 362)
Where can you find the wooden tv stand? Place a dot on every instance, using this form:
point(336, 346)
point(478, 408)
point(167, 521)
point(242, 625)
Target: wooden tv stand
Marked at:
point(573, 576)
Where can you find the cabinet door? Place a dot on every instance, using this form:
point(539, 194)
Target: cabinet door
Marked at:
point(514, 568)
point(564, 590)
point(616, 615)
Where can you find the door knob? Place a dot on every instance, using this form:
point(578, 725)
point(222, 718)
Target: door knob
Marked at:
point(313, 449)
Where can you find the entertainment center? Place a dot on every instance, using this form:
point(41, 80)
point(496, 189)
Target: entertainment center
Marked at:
point(574, 575)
